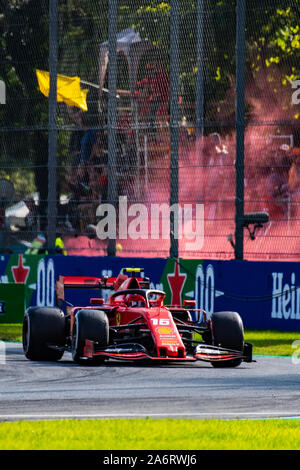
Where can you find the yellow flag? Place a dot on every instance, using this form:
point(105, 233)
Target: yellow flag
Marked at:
point(68, 89)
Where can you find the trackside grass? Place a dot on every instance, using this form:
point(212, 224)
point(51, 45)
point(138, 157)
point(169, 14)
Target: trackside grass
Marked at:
point(151, 434)
point(11, 332)
point(272, 343)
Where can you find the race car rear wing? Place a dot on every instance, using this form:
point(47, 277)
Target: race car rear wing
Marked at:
point(76, 282)
point(98, 283)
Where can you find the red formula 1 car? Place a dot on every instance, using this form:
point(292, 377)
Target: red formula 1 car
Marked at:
point(133, 324)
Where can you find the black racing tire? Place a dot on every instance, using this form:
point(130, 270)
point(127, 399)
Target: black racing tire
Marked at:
point(227, 332)
point(92, 325)
point(43, 334)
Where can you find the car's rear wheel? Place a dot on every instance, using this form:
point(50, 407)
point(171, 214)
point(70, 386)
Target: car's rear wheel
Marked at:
point(89, 325)
point(227, 332)
point(43, 334)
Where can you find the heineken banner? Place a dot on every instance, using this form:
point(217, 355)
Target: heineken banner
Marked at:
point(265, 294)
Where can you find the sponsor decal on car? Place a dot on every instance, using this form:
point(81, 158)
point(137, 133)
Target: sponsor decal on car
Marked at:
point(164, 330)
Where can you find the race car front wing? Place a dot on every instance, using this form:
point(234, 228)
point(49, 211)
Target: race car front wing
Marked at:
point(135, 351)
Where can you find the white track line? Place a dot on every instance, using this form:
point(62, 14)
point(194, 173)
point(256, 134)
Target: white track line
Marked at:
point(244, 415)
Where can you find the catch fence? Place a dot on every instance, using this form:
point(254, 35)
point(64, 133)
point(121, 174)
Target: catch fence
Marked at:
point(172, 121)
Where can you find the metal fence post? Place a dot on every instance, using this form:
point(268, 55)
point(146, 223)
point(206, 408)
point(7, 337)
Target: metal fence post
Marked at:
point(240, 127)
point(112, 111)
point(200, 73)
point(2, 92)
point(174, 129)
point(52, 125)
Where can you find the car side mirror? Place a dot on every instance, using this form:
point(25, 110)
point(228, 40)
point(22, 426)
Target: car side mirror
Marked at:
point(189, 303)
point(95, 301)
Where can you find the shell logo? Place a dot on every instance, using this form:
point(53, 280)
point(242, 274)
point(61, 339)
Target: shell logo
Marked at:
point(164, 330)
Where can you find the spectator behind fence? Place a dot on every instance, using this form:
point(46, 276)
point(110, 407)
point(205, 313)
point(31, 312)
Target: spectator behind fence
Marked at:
point(142, 96)
point(294, 173)
point(76, 115)
point(97, 168)
point(152, 93)
point(277, 191)
point(159, 85)
point(88, 140)
point(81, 144)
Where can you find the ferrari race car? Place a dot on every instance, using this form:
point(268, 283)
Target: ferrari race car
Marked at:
point(132, 324)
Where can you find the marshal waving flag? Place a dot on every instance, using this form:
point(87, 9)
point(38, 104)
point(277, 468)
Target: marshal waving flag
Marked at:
point(68, 89)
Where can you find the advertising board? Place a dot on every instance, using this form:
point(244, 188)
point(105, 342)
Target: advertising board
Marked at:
point(265, 294)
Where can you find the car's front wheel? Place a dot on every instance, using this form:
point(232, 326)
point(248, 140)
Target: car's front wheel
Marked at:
point(227, 332)
point(89, 325)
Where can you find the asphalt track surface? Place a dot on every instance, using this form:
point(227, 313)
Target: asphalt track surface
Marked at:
point(267, 388)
